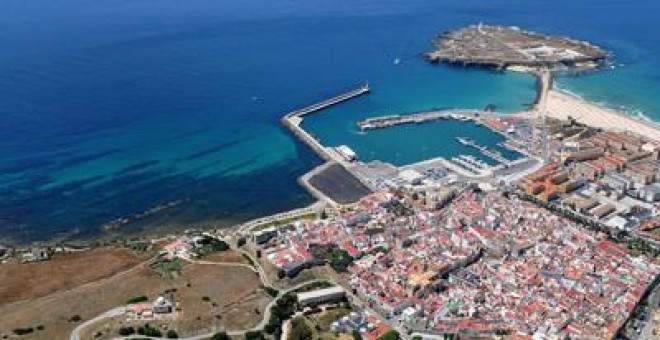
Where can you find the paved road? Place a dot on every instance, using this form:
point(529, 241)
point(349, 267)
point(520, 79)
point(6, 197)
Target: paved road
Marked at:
point(247, 226)
point(75, 334)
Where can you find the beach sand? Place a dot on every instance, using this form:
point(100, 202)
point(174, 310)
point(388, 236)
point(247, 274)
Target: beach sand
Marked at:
point(562, 105)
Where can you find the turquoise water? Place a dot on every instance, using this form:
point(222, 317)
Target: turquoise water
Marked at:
point(110, 108)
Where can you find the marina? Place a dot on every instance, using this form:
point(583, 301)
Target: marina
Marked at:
point(493, 154)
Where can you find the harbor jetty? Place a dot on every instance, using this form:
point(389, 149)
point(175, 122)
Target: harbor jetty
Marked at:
point(332, 182)
point(515, 49)
point(329, 102)
point(294, 119)
point(418, 118)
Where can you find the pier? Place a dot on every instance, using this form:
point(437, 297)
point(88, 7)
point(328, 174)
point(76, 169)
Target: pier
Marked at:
point(329, 102)
point(418, 118)
point(492, 154)
point(293, 120)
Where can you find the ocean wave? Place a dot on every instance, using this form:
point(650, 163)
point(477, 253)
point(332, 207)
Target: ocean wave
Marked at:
point(625, 110)
point(557, 86)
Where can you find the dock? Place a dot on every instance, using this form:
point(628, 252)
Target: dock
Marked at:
point(293, 120)
point(492, 154)
point(418, 118)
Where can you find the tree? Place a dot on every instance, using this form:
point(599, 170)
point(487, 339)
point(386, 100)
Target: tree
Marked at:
point(241, 242)
point(126, 331)
point(149, 330)
point(391, 335)
point(340, 260)
point(271, 291)
point(172, 334)
point(356, 335)
point(220, 336)
point(23, 331)
point(299, 330)
point(137, 299)
point(254, 335)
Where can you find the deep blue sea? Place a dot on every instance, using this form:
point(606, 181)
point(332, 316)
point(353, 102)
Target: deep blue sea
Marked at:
point(110, 108)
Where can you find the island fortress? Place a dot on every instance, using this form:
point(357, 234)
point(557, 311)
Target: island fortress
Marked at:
point(515, 49)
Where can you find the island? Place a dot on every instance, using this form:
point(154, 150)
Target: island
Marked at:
point(514, 49)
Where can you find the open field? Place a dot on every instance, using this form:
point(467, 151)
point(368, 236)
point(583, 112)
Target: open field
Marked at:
point(64, 271)
point(224, 286)
point(229, 256)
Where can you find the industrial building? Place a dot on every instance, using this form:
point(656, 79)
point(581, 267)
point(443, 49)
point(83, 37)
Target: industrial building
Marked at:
point(317, 297)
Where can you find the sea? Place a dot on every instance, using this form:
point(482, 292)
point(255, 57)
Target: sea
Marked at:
point(164, 114)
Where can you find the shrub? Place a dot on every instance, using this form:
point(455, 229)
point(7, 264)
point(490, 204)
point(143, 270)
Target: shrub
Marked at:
point(137, 299)
point(75, 318)
point(23, 331)
point(149, 330)
point(300, 330)
point(271, 291)
point(172, 334)
point(126, 331)
point(40, 327)
point(254, 335)
point(391, 335)
point(206, 298)
point(241, 242)
point(220, 336)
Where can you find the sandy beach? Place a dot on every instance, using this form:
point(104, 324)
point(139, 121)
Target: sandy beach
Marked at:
point(562, 105)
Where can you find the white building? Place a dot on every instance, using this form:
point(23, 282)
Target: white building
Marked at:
point(347, 153)
point(320, 296)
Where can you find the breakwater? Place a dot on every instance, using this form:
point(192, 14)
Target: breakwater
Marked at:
point(294, 119)
point(418, 118)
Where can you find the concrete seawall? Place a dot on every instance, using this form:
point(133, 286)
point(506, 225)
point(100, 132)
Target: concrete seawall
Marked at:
point(306, 137)
point(294, 119)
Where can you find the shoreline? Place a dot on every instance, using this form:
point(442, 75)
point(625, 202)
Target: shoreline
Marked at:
point(640, 117)
point(562, 105)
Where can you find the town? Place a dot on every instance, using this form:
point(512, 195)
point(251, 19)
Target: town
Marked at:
point(552, 233)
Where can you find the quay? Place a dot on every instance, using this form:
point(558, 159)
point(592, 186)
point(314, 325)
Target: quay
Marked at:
point(294, 119)
point(418, 118)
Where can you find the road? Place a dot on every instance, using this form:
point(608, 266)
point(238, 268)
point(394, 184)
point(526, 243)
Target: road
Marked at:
point(75, 334)
point(257, 268)
point(244, 228)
